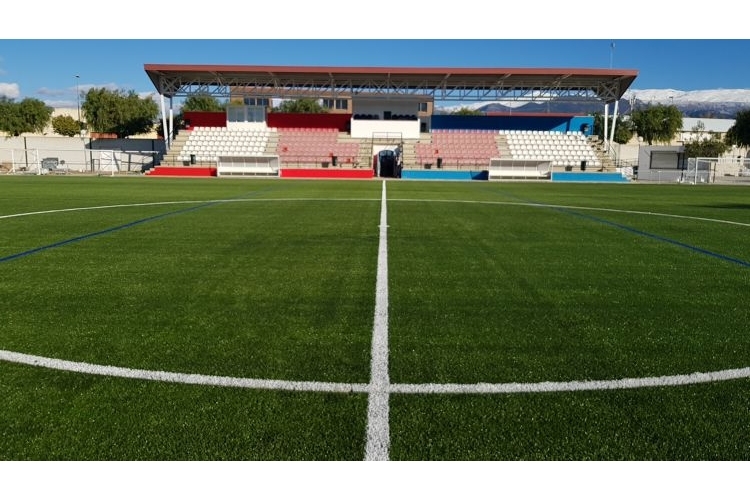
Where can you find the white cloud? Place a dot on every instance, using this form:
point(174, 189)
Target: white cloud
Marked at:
point(66, 98)
point(153, 95)
point(61, 104)
point(10, 90)
point(51, 92)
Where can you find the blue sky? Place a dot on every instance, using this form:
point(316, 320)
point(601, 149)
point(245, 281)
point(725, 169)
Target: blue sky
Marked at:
point(45, 68)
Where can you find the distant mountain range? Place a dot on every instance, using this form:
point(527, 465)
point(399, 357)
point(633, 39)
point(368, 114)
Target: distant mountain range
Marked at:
point(720, 103)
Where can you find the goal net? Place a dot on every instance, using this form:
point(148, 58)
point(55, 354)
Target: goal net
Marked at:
point(726, 170)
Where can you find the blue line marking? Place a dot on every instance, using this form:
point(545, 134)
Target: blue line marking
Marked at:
point(638, 232)
point(660, 238)
point(125, 226)
point(99, 233)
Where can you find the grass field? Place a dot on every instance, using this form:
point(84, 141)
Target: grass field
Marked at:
point(188, 319)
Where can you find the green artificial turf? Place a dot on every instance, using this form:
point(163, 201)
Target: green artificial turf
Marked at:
point(275, 279)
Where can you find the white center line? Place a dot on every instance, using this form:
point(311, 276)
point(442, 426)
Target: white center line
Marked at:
point(378, 430)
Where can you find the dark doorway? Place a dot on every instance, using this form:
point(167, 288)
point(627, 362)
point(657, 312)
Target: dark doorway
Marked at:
point(387, 162)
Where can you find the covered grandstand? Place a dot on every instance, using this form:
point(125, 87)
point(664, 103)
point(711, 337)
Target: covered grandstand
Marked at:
point(373, 110)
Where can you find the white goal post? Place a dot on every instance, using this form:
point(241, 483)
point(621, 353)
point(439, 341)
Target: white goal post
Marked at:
point(725, 170)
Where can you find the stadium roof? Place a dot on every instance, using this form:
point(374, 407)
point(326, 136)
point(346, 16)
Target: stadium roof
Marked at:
point(440, 84)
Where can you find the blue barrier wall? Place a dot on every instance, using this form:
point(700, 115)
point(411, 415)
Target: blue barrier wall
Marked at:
point(588, 177)
point(583, 124)
point(560, 123)
point(446, 175)
point(483, 175)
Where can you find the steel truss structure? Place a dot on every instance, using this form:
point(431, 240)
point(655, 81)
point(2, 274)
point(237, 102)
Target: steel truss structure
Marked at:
point(437, 84)
point(440, 84)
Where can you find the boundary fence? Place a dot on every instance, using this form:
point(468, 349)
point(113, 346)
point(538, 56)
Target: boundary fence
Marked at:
point(86, 161)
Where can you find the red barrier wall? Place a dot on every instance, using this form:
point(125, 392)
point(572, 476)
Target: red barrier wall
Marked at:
point(314, 173)
point(183, 171)
point(205, 119)
point(338, 121)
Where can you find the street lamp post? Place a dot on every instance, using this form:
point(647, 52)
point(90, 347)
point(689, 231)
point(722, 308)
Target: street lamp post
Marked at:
point(78, 101)
point(80, 128)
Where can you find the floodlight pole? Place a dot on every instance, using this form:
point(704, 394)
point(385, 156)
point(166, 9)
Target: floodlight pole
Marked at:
point(80, 126)
point(78, 100)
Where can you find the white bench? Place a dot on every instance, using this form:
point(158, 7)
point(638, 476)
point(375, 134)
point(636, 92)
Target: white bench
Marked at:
point(501, 168)
point(264, 166)
point(225, 171)
point(516, 173)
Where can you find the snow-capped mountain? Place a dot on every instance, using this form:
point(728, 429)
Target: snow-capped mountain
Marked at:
point(670, 96)
point(718, 103)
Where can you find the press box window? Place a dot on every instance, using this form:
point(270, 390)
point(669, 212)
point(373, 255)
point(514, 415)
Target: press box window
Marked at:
point(256, 101)
point(335, 103)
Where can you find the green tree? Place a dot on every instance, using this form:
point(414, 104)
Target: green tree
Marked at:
point(66, 125)
point(29, 115)
point(118, 112)
point(705, 148)
point(8, 114)
point(178, 122)
point(739, 133)
point(623, 129)
point(304, 105)
point(202, 102)
point(196, 102)
point(657, 123)
point(464, 111)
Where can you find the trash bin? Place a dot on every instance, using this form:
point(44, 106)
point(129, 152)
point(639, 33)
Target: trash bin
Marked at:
point(192, 159)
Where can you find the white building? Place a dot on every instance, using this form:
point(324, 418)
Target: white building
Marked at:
point(702, 128)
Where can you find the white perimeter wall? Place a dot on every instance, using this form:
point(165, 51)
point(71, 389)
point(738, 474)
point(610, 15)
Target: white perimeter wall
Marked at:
point(247, 125)
point(627, 152)
point(70, 149)
point(365, 129)
point(76, 152)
